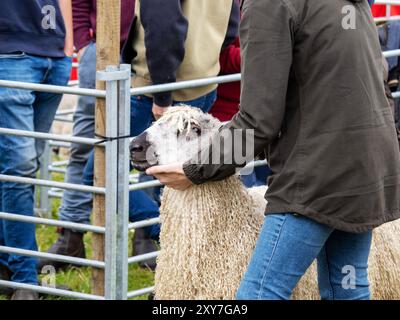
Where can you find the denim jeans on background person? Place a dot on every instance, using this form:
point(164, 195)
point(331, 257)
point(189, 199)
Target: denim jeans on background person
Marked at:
point(287, 246)
point(257, 178)
point(19, 156)
point(141, 207)
point(76, 206)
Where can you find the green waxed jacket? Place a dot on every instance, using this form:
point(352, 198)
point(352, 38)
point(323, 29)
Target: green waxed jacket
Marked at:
point(313, 90)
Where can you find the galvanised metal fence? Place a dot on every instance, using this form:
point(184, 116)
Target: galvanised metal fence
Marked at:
point(115, 264)
point(117, 95)
point(48, 167)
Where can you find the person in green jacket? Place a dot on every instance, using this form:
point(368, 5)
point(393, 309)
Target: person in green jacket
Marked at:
point(313, 92)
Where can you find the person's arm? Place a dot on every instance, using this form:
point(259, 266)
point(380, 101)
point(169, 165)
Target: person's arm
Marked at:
point(81, 10)
point(233, 25)
point(165, 33)
point(66, 11)
point(230, 59)
point(267, 45)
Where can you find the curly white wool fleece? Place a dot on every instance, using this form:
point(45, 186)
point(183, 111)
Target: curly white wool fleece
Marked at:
point(209, 232)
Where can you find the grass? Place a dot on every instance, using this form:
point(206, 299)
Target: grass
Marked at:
point(79, 278)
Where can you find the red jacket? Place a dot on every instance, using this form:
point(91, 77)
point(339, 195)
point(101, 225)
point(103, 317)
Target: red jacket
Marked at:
point(227, 104)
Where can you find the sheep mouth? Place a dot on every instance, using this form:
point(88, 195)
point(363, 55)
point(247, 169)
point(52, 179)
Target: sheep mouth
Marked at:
point(142, 165)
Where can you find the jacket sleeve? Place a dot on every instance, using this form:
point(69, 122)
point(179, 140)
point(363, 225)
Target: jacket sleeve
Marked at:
point(267, 36)
point(81, 10)
point(233, 25)
point(165, 33)
point(230, 59)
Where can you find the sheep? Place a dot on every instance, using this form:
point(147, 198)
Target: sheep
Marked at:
point(208, 232)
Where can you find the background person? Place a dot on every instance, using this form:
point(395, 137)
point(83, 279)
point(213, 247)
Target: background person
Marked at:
point(36, 46)
point(76, 206)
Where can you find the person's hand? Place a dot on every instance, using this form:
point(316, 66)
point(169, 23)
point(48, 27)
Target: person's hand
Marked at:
point(158, 111)
point(81, 52)
point(69, 49)
point(171, 175)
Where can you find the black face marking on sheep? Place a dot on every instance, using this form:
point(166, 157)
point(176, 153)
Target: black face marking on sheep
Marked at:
point(139, 150)
point(177, 136)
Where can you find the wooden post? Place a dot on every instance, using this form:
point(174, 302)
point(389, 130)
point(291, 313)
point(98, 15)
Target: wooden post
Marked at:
point(108, 53)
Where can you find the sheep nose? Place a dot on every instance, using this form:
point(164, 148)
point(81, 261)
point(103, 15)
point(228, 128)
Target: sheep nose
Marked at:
point(139, 146)
point(135, 147)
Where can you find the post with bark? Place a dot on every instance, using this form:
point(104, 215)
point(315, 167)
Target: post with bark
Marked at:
point(108, 52)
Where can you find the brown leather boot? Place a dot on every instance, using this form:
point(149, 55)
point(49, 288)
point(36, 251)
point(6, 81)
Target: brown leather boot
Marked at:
point(25, 295)
point(142, 244)
point(5, 274)
point(69, 243)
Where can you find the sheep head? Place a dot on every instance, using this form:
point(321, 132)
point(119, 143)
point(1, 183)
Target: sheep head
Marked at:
point(176, 136)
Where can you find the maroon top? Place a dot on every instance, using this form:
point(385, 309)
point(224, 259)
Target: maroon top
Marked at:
point(84, 14)
point(227, 104)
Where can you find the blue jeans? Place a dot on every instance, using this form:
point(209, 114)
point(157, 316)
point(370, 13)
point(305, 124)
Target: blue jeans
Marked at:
point(76, 205)
point(19, 156)
point(141, 207)
point(287, 246)
point(257, 178)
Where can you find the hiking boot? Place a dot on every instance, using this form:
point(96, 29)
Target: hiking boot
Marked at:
point(151, 296)
point(69, 243)
point(5, 274)
point(25, 295)
point(142, 244)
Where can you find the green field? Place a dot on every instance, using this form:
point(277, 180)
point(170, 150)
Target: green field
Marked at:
point(79, 279)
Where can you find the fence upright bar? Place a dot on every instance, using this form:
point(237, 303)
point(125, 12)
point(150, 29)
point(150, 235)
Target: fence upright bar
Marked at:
point(112, 96)
point(107, 53)
point(44, 200)
point(124, 108)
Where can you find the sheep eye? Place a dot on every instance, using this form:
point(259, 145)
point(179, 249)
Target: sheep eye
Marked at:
point(196, 130)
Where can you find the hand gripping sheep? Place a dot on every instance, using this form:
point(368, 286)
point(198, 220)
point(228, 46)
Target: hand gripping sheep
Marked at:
point(209, 231)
